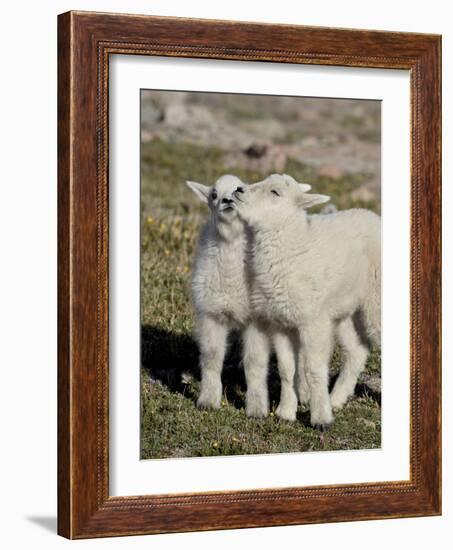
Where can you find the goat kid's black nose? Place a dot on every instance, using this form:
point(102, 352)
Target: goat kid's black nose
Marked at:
point(240, 189)
point(227, 201)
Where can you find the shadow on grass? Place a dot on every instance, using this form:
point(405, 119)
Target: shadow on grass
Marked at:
point(169, 357)
point(166, 356)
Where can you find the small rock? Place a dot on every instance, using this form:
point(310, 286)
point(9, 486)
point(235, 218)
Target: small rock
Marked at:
point(372, 381)
point(151, 113)
point(268, 129)
point(331, 171)
point(330, 140)
point(363, 193)
point(181, 116)
point(310, 142)
point(256, 150)
point(187, 378)
point(258, 157)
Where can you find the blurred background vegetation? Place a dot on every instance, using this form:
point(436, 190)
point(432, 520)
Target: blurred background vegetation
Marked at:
point(333, 144)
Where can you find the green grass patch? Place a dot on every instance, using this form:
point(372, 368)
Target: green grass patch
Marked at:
point(172, 426)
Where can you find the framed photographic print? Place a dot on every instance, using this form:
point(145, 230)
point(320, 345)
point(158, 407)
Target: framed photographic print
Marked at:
point(249, 275)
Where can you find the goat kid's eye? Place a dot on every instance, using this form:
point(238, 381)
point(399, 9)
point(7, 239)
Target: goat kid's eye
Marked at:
point(214, 195)
point(275, 193)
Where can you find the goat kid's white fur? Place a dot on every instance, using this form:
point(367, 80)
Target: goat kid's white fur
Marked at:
point(313, 277)
point(221, 302)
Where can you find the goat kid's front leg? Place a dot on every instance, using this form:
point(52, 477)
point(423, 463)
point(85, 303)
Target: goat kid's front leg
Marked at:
point(317, 343)
point(212, 337)
point(286, 359)
point(256, 361)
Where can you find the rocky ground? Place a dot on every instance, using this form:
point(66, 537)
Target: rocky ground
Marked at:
point(335, 137)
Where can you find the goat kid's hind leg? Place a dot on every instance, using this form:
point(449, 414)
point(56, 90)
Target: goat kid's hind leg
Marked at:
point(317, 343)
point(286, 360)
point(303, 389)
point(355, 358)
point(256, 361)
point(212, 338)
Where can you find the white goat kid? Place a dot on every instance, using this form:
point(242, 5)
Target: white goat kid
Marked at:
point(221, 301)
point(314, 275)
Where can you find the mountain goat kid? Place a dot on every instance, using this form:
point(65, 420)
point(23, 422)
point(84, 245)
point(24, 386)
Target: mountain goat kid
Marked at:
point(221, 301)
point(312, 276)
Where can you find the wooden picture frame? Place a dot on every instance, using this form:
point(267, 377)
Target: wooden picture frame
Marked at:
point(85, 42)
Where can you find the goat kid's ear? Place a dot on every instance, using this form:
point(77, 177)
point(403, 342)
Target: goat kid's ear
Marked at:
point(304, 187)
point(200, 190)
point(306, 200)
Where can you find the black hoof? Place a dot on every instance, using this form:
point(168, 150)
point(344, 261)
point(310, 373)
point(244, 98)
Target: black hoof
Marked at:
point(322, 427)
